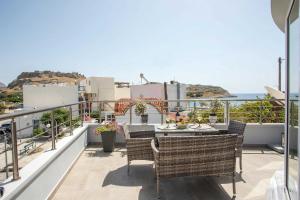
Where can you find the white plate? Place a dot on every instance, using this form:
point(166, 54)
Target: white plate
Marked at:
point(194, 126)
point(165, 127)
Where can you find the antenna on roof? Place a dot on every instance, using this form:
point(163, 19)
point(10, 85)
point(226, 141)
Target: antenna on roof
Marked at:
point(143, 78)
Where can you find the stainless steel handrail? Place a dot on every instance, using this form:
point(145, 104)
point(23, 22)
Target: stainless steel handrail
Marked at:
point(187, 100)
point(84, 110)
point(20, 114)
point(14, 115)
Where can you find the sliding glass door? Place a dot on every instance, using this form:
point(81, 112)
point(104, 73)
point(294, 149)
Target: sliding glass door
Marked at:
point(292, 95)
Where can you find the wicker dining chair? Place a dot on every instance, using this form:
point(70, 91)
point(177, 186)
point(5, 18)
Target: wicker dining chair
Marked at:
point(138, 142)
point(209, 155)
point(236, 127)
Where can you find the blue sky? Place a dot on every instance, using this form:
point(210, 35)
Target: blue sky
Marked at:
point(231, 44)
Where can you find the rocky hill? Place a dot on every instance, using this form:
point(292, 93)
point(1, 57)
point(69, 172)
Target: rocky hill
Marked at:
point(49, 77)
point(206, 91)
point(44, 77)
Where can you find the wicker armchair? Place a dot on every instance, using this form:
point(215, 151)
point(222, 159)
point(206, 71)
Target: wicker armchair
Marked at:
point(138, 142)
point(236, 127)
point(210, 155)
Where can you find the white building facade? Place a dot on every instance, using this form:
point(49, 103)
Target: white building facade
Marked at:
point(102, 88)
point(156, 90)
point(44, 96)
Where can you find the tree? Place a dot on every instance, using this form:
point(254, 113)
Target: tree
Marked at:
point(60, 115)
point(258, 111)
point(250, 112)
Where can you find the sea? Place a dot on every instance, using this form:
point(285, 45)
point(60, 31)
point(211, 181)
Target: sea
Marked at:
point(248, 96)
point(237, 96)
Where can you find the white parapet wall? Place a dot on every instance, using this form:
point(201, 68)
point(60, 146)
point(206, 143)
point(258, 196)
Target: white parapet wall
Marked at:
point(40, 177)
point(261, 134)
point(255, 134)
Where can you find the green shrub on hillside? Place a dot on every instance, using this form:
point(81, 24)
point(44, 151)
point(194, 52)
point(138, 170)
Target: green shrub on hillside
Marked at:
point(12, 98)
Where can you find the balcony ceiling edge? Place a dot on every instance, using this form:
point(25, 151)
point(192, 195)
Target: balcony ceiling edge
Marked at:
point(279, 9)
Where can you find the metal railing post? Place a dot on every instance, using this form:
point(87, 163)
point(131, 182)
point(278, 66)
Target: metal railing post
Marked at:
point(162, 117)
point(5, 154)
point(100, 110)
point(52, 130)
point(226, 113)
point(130, 115)
point(56, 131)
point(82, 114)
point(70, 116)
point(15, 150)
point(260, 112)
point(90, 107)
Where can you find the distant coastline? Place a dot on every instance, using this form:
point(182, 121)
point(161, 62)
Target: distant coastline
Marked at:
point(239, 96)
point(248, 96)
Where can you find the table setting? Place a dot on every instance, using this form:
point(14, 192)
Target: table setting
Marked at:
point(196, 129)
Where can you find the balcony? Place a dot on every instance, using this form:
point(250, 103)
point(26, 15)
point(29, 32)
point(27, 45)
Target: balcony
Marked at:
point(67, 161)
point(101, 175)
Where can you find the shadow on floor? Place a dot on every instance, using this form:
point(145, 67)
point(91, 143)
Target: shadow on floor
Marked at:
point(185, 188)
point(100, 153)
point(97, 153)
point(263, 150)
point(228, 179)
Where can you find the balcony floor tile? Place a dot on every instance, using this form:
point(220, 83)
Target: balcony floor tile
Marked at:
point(99, 175)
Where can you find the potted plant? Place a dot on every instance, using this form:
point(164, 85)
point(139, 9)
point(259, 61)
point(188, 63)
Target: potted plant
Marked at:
point(140, 110)
point(215, 106)
point(181, 125)
point(107, 130)
point(195, 117)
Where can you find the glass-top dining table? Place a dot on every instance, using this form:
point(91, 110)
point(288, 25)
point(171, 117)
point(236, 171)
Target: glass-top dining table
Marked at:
point(191, 129)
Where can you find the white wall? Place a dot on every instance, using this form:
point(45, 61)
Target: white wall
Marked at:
point(103, 87)
point(84, 83)
point(41, 176)
point(147, 91)
point(154, 117)
point(122, 92)
point(255, 134)
point(41, 96)
point(261, 134)
point(25, 123)
point(157, 91)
